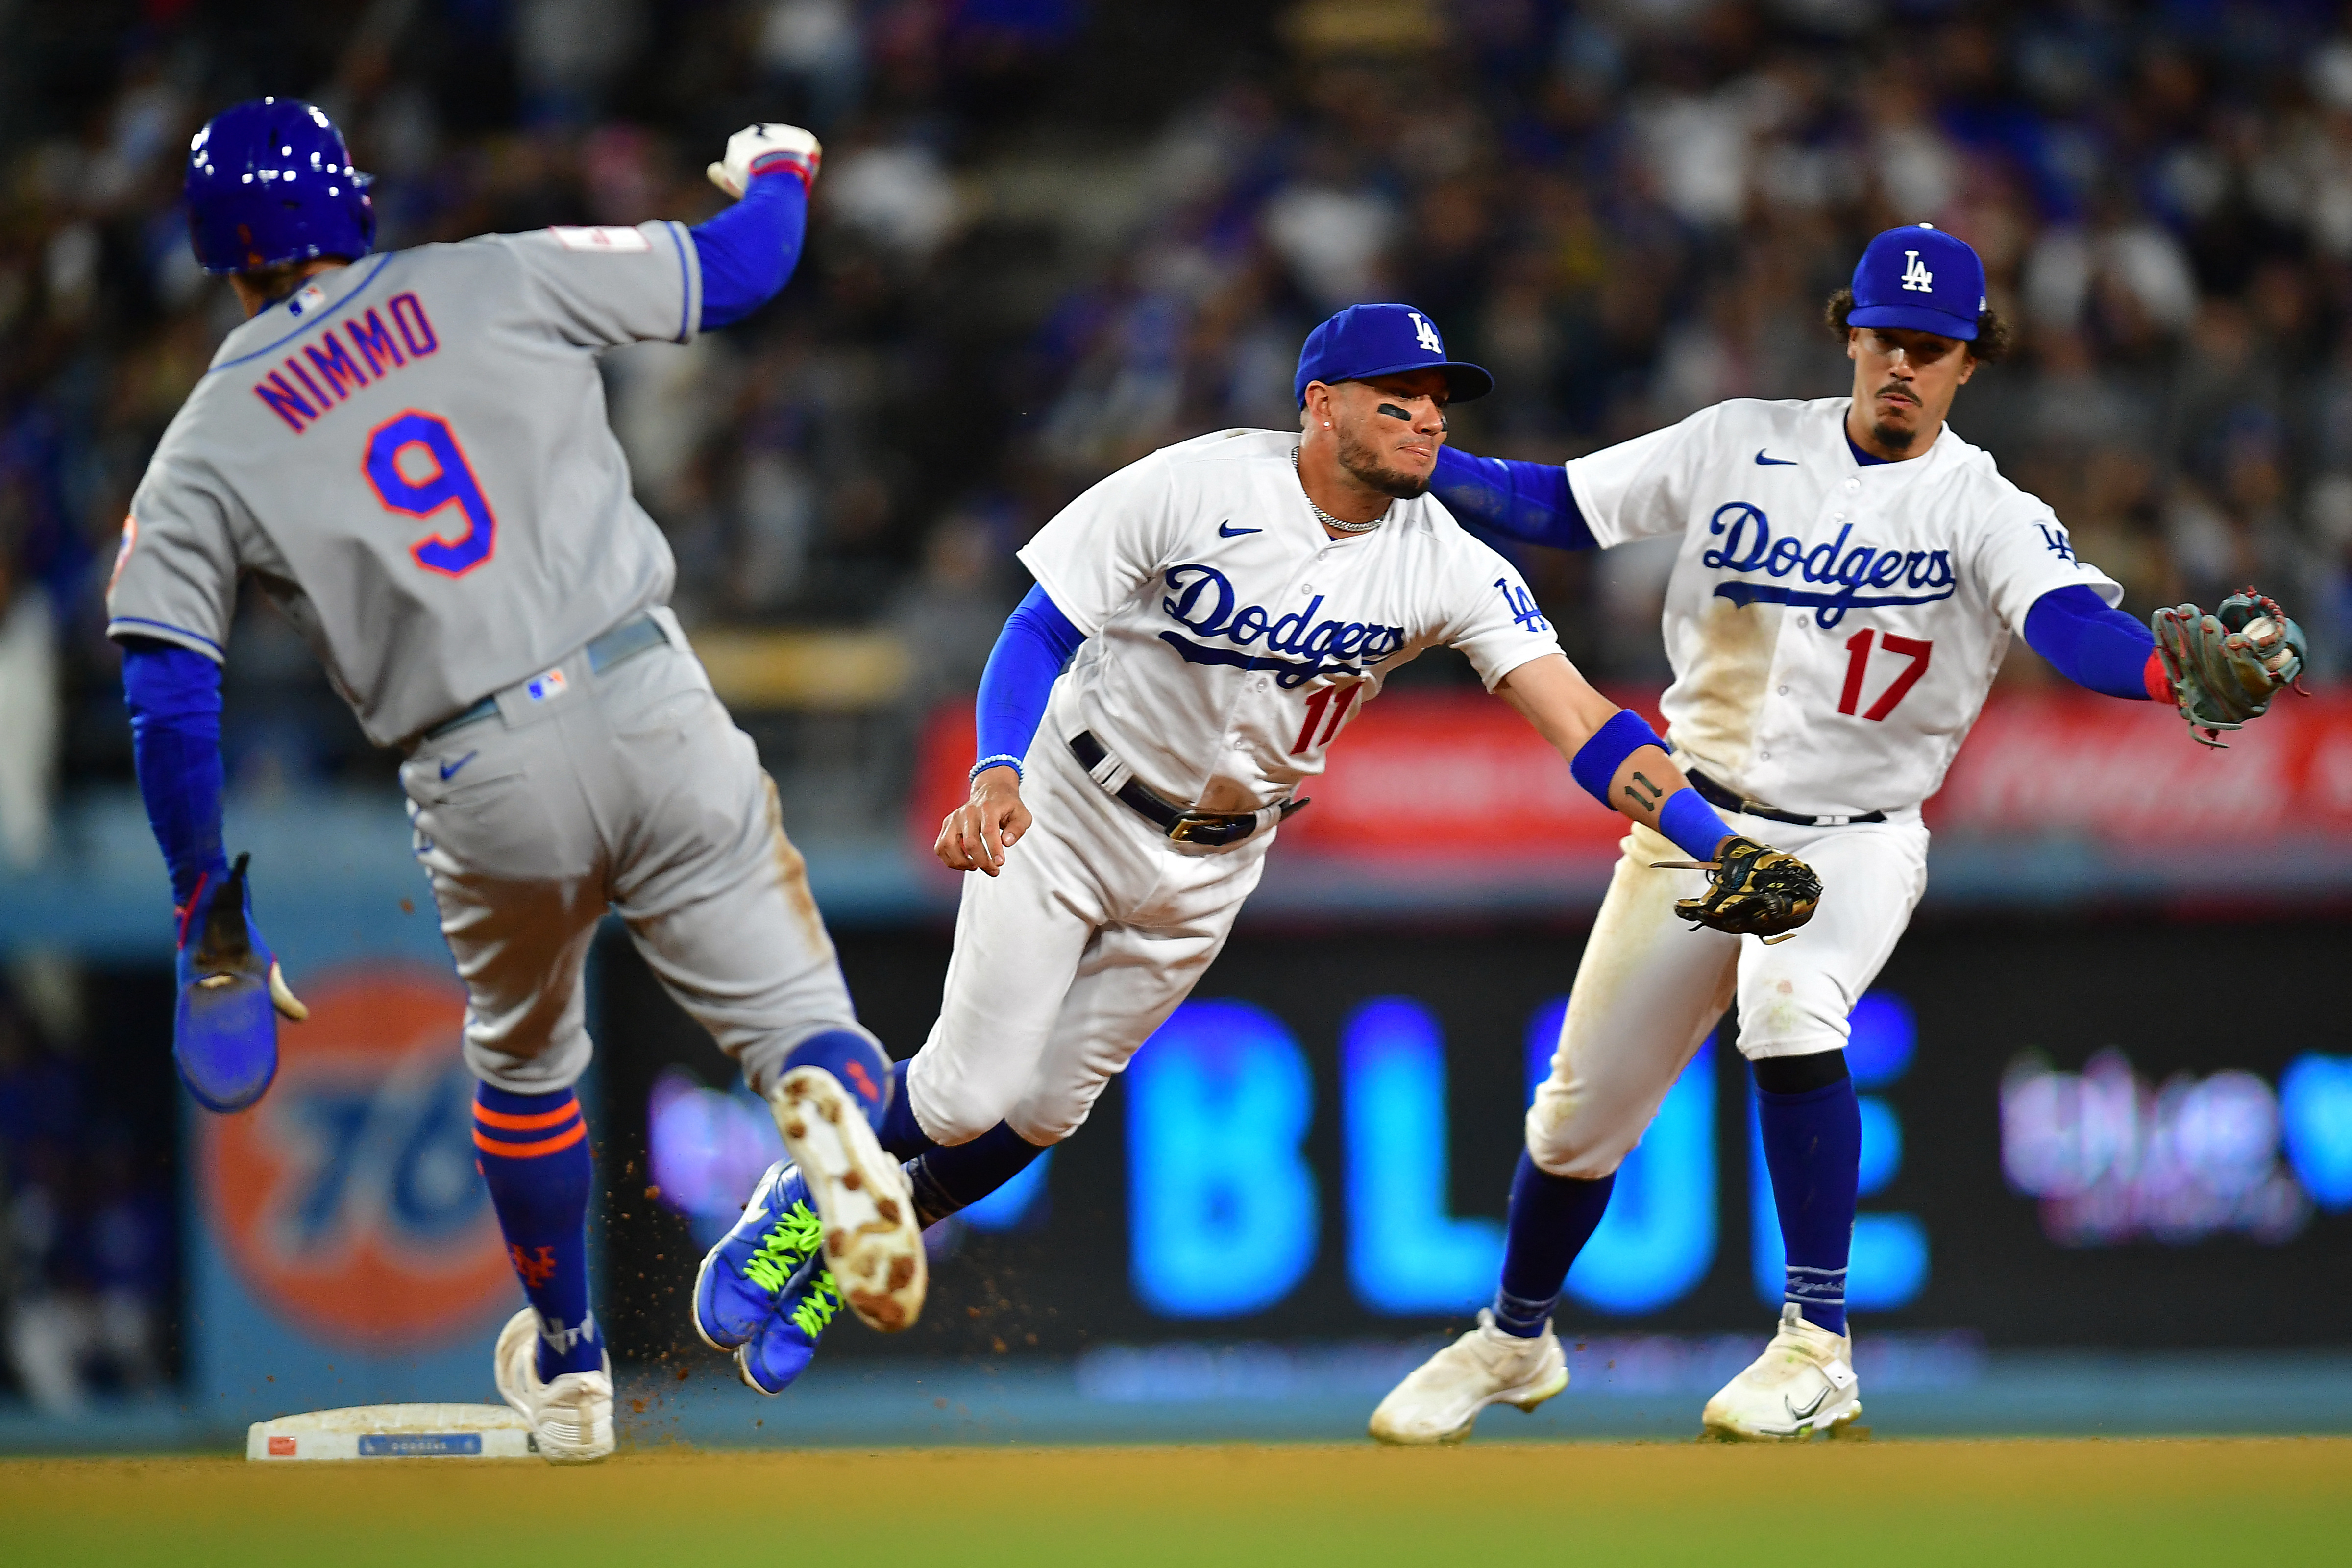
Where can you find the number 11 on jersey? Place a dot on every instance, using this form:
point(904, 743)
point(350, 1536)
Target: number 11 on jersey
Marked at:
point(451, 483)
point(1308, 740)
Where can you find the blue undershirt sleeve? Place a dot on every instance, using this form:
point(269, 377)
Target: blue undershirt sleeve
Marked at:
point(175, 697)
point(1529, 502)
point(750, 249)
point(1030, 653)
point(2091, 643)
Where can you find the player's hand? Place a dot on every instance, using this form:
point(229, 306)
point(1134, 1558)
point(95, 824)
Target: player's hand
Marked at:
point(976, 834)
point(767, 149)
point(225, 1033)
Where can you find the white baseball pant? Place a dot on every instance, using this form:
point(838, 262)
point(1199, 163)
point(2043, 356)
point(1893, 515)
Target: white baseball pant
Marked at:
point(1069, 958)
point(1650, 987)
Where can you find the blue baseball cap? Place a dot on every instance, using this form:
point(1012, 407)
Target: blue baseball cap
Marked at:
point(1921, 277)
point(1365, 341)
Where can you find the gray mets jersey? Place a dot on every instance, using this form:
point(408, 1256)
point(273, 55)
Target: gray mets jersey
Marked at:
point(410, 456)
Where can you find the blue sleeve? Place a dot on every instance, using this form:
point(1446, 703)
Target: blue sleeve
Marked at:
point(2089, 643)
point(175, 696)
point(1036, 642)
point(750, 248)
point(1529, 502)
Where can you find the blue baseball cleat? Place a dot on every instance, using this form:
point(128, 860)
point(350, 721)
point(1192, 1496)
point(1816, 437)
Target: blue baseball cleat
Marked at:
point(742, 1279)
point(787, 1341)
point(224, 1033)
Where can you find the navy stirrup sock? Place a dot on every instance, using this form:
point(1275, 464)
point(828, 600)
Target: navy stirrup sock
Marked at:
point(1812, 1145)
point(898, 1131)
point(533, 1151)
point(949, 1178)
point(1551, 1219)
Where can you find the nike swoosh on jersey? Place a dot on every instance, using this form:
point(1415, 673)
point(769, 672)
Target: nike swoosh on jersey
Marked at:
point(1764, 462)
point(1227, 530)
point(448, 770)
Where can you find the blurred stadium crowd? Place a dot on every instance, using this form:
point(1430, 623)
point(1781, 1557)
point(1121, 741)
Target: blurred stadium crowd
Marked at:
point(1052, 235)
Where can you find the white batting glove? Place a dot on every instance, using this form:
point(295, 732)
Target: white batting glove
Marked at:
point(767, 149)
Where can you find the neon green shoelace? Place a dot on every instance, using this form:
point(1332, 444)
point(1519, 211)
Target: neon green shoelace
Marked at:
point(817, 1308)
point(790, 1243)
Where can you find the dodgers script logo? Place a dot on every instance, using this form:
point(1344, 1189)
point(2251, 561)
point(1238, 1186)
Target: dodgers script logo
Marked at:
point(347, 1202)
point(1749, 546)
point(1200, 599)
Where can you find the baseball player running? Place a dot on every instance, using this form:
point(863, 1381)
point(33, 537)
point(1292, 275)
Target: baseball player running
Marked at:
point(1850, 574)
point(410, 452)
point(1224, 608)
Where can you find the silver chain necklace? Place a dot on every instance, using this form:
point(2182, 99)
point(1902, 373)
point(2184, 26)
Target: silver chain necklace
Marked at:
point(1326, 519)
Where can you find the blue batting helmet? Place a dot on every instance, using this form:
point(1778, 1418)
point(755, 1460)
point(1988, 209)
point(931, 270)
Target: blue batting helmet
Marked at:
point(269, 181)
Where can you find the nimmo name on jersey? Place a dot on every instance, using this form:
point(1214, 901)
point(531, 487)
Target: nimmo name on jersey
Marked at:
point(1200, 598)
point(1749, 546)
point(338, 372)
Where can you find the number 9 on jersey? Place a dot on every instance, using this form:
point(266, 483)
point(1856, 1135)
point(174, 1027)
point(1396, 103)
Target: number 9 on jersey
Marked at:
point(451, 483)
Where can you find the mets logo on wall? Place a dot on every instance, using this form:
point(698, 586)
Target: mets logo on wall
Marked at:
point(347, 1201)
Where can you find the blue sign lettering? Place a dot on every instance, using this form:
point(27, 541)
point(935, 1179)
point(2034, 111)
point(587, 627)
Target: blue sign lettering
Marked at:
point(1405, 1254)
point(1223, 1216)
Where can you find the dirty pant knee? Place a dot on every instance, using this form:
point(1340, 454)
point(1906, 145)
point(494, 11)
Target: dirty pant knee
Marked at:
point(1567, 1137)
point(555, 1065)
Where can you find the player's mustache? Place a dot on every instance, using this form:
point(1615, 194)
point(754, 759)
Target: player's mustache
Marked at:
point(1896, 389)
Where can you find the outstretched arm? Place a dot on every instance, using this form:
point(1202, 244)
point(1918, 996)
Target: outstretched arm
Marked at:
point(175, 697)
point(2095, 645)
point(1613, 753)
point(1036, 642)
point(747, 251)
point(1529, 502)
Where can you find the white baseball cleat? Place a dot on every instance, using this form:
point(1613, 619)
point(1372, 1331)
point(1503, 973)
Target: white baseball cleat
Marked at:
point(1802, 1383)
point(871, 1242)
point(1442, 1398)
point(571, 1417)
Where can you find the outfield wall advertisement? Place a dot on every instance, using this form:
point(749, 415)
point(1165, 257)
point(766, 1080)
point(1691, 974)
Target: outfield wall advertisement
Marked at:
point(2060, 1147)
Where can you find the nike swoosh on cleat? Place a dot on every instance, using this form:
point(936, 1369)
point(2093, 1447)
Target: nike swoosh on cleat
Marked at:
point(449, 768)
point(1764, 462)
point(1807, 1414)
point(1227, 530)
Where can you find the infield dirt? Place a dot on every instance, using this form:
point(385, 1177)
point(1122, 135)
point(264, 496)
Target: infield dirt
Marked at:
point(2273, 1500)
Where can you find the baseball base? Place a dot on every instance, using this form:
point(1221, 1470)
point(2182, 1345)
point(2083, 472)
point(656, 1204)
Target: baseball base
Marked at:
point(394, 1432)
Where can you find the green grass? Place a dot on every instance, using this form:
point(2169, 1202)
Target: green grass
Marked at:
point(2273, 1500)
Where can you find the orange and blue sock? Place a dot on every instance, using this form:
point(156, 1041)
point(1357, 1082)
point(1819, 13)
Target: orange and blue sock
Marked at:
point(533, 1151)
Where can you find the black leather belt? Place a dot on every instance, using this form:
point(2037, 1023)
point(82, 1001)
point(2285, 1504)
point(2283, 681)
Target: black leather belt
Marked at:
point(1715, 794)
point(1209, 829)
point(631, 637)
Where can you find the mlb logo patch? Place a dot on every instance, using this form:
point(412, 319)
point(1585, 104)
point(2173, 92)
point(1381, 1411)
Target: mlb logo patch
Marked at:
point(281, 1447)
point(306, 302)
point(541, 687)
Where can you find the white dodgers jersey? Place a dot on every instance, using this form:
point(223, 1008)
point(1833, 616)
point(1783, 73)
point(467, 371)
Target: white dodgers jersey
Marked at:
point(1229, 638)
point(1834, 627)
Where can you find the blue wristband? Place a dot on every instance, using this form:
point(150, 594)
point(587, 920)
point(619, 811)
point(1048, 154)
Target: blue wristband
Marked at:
point(1597, 761)
point(1691, 823)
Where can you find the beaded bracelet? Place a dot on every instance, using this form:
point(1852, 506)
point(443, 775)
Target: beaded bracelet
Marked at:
point(1001, 760)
